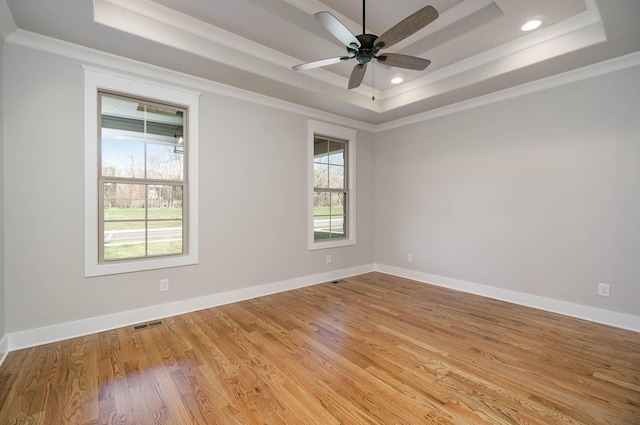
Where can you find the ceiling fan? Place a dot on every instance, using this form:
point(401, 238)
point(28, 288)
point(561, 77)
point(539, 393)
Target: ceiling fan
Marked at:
point(365, 47)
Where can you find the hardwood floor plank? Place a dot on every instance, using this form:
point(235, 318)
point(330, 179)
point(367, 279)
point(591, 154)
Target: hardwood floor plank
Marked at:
point(373, 349)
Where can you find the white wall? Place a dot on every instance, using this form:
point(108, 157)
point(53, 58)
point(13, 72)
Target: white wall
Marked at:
point(539, 194)
point(253, 201)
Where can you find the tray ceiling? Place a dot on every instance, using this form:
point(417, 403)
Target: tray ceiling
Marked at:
point(476, 47)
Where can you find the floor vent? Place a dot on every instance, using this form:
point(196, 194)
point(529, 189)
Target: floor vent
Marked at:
point(147, 325)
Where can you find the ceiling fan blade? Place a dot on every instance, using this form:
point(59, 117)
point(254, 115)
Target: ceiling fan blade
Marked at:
point(337, 29)
point(357, 75)
point(319, 63)
point(407, 26)
point(403, 61)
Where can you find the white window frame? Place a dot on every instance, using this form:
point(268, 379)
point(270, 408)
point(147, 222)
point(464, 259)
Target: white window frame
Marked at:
point(95, 80)
point(317, 128)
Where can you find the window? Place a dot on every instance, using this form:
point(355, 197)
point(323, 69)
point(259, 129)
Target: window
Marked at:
point(141, 143)
point(332, 190)
point(141, 182)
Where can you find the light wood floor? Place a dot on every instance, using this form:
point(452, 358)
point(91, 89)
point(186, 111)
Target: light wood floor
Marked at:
point(372, 349)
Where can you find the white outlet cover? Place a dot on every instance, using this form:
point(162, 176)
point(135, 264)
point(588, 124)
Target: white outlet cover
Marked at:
point(164, 285)
point(604, 289)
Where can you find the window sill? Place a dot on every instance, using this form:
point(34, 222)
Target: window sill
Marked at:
point(93, 269)
point(331, 244)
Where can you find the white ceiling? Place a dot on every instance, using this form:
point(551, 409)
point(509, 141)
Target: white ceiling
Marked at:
point(476, 46)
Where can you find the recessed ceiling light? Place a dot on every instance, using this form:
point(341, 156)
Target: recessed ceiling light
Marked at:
point(531, 25)
point(397, 80)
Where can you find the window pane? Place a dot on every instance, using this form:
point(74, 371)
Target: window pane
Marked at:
point(122, 147)
point(338, 216)
point(336, 153)
point(121, 157)
point(337, 227)
point(124, 201)
point(320, 150)
point(321, 211)
point(320, 176)
point(163, 162)
point(321, 228)
point(137, 135)
point(165, 202)
point(329, 227)
point(124, 239)
point(328, 215)
point(336, 177)
point(321, 203)
point(122, 114)
point(338, 201)
point(165, 237)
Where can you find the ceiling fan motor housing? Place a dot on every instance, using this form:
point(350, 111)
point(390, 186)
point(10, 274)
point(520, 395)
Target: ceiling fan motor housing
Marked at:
point(367, 49)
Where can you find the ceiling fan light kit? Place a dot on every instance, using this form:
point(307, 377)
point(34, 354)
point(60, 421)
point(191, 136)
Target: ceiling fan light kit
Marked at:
point(365, 47)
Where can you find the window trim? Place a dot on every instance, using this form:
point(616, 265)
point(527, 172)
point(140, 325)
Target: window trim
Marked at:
point(317, 128)
point(95, 80)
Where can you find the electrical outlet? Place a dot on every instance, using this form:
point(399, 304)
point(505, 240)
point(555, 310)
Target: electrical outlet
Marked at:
point(328, 259)
point(410, 258)
point(164, 285)
point(604, 289)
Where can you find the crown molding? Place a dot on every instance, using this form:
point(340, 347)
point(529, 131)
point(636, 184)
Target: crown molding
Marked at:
point(7, 24)
point(121, 65)
point(612, 65)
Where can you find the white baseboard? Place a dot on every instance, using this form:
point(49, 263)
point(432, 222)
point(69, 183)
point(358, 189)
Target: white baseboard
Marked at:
point(4, 348)
point(612, 318)
point(59, 332)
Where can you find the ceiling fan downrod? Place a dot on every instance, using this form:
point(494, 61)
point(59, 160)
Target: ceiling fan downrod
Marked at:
point(364, 16)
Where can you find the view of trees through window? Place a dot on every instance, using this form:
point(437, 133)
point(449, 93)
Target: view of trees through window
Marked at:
point(142, 161)
point(330, 189)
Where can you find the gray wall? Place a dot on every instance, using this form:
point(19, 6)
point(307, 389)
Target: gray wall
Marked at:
point(539, 194)
point(2, 289)
point(253, 201)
